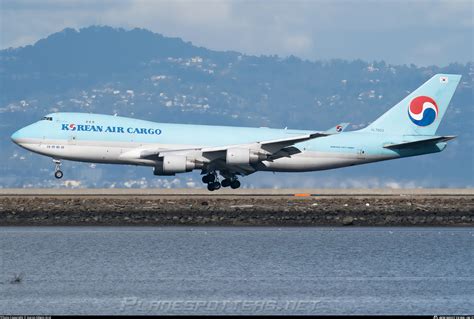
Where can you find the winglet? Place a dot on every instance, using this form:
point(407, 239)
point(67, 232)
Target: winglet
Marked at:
point(337, 129)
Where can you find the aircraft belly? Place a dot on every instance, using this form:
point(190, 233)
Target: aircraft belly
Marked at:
point(84, 152)
point(113, 153)
point(101, 154)
point(312, 162)
point(92, 153)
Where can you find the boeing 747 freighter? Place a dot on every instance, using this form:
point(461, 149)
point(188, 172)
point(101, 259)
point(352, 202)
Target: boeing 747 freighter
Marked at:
point(223, 153)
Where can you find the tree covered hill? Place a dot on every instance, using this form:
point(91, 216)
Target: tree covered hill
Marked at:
point(146, 75)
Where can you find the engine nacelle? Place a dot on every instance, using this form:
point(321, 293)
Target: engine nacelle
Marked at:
point(172, 164)
point(242, 156)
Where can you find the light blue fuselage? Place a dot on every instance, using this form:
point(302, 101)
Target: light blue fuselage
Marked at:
point(109, 139)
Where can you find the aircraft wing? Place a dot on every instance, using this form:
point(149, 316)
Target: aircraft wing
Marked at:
point(268, 150)
point(271, 146)
point(215, 157)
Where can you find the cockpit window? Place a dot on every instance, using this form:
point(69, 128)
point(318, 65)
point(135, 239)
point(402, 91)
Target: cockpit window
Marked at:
point(47, 118)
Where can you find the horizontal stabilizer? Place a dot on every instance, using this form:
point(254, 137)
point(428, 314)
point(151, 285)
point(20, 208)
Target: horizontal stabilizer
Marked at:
point(420, 143)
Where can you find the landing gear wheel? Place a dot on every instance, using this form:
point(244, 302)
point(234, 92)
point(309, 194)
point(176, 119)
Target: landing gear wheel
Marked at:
point(58, 174)
point(216, 185)
point(213, 186)
point(235, 184)
point(209, 178)
point(57, 170)
point(226, 182)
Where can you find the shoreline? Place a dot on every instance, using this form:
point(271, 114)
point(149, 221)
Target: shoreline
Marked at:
point(157, 207)
point(234, 192)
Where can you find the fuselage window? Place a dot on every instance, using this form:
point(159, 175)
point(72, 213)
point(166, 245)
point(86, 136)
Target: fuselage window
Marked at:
point(48, 118)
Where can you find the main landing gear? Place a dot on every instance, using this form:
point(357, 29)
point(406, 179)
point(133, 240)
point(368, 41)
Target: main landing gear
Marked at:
point(232, 182)
point(212, 181)
point(58, 173)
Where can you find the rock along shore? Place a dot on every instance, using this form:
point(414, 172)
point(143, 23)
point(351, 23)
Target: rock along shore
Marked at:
point(250, 208)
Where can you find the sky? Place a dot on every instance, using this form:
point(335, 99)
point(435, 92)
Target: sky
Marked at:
point(398, 32)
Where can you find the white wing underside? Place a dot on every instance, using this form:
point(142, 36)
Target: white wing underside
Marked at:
point(215, 157)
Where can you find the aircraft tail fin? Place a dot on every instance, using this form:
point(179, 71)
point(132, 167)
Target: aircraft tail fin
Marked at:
point(421, 112)
point(337, 129)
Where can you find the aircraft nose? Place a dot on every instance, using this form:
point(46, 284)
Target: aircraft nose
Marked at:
point(16, 136)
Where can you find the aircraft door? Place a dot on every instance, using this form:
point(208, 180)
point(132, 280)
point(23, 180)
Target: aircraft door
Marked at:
point(72, 138)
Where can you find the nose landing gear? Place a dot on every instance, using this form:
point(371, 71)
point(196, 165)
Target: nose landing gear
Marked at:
point(57, 171)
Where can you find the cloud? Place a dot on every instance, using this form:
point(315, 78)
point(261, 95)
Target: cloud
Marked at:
point(421, 32)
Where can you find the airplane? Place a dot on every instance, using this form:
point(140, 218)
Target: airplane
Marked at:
point(223, 153)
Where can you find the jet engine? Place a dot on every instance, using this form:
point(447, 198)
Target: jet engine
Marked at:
point(172, 164)
point(243, 156)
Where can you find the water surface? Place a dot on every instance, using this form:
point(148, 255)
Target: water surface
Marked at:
point(147, 270)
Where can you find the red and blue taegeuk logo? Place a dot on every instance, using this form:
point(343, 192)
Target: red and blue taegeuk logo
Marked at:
point(423, 110)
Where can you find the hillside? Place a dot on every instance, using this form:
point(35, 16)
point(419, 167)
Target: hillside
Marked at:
point(146, 75)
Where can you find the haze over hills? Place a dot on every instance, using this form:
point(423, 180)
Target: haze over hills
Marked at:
point(145, 75)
